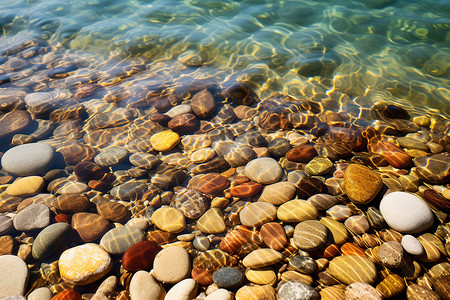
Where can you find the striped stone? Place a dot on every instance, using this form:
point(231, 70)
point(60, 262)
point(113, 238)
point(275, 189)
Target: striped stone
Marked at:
point(256, 292)
point(212, 221)
point(297, 211)
point(349, 269)
point(338, 233)
point(274, 236)
point(278, 193)
point(257, 213)
point(262, 258)
point(119, 239)
point(191, 203)
point(213, 260)
point(310, 235)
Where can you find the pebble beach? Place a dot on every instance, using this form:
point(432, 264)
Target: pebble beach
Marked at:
point(116, 184)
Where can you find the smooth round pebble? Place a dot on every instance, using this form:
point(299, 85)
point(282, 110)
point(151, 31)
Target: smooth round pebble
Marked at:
point(183, 290)
point(412, 245)
point(42, 293)
point(6, 223)
point(33, 217)
point(228, 277)
point(171, 265)
point(119, 239)
point(406, 212)
point(14, 275)
point(362, 290)
point(256, 292)
point(264, 170)
point(50, 239)
point(257, 213)
point(390, 254)
point(220, 294)
point(144, 286)
point(261, 276)
point(350, 268)
point(310, 235)
point(28, 159)
point(261, 258)
point(169, 219)
point(164, 140)
point(212, 221)
point(278, 193)
point(296, 290)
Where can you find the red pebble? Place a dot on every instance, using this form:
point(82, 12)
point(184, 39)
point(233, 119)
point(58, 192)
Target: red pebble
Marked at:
point(62, 218)
point(202, 276)
point(140, 256)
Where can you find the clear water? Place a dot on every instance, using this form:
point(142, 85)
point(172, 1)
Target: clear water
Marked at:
point(349, 54)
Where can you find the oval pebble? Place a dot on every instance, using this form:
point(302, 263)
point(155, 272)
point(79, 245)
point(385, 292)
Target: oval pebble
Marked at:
point(264, 170)
point(362, 290)
point(119, 239)
point(228, 277)
point(278, 193)
point(33, 217)
point(296, 290)
point(183, 290)
point(262, 258)
point(257, 213)
point(144, 286)
point(350, 268)
point(171, 265)
point(412, 245)
point(28, 159)
point(14, 276)
point(297, 211)
point(310, 235)
point(140, 256)
point(169, 219)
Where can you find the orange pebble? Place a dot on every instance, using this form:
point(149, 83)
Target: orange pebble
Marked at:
point(68, 294)
point(352, 249)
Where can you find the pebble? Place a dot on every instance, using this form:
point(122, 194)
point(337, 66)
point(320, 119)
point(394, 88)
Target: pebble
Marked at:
point(323, 201)
point(357, 224)
point(202, 155)
point(434, 169)
point(164, 141)
point(89, 226)
point(111, 156)
point(203, 104)
point(350, 268)
point(201, 243)
point(6, 223)
point(50, 239)
point(169, 219)
point(128, 191)
point(310, 186)
point(6, 245)
point(273, 235)
point(261, 276)
point(228, 277)
point(183, 290)
point(406, 212)
point(339, 212)
point(191, 203)
point(171, 265)
point(418, 292)
point(361, 184)
point(220, 294)
point(14, 121)
point(179, 110)
point(262, 258)
point(310, 235)
point(144, 160)
point(278, 193)
point(297, 211)
point(212, 184)
point(301, 154)
point(257, 213)
point(33, 217)
point(390, 254)
point(303, 264)
point(318, 166)
point(246, 189)
point(338, 234)
point(68, 294)
point(84, 264)
point(296, 290)
point(42, 293)
point(71, 203)
point(28, 159)
point(119, 239)
point(13, 283)
point(362, 290)
point(138, 222)
point(264, 170)
point(144, 286)
point(212, 221)
point(113, 211)
point(256, 292)
point(412, 245)
point(26, 186)
point(279, 147)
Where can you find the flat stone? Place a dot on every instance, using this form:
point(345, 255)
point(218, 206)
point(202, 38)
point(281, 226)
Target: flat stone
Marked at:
point(50, 239)
point(164, 140)
point(438, 201)
point(184, 124)
point(212, 221)
point(296, 290)
point(297, 211)
point(237, 154)
point(279, 147)
point(339, 212)
point(262, 258)
point(183, 290)
point(72, 203)
point(302, 153)
point(412, 143)
point(361, 184)
point(144, 286)
point(33, 217)
point(406, 212)
point(264, 170)
point(138, 222)
point(84, 264)
point(202, 155)
point(26, 186)
point(261, 276)
point(171, 265)
point(246, 189)
point(119, 239)
point(228, 277)
point(6, 223)
point(434, 169)
point(350, 268)
point(303, 264)
point(28, 159)
point(357, 224)
point(7, 244)
point(113, 211)
point(310, 235)
point(203, 104)
point(323, 201)
point(310, 186)
point(212, 184)
point(256, 292)
point(14, 121)
point(169, 219)
point(257, 213)
point(319, 165)
point(362, 290)
point(65, 186)
point(144, 160)
point(220, 294)
point(42, 293)
point(140, 256)
point(111, 156)
point(128, 191)
point(390, 254)
point(14, 276)
point(338, 233)
point(89, 226)
point(278, 193)
point(191, 203)
point(274, 236)
point(412, 245)
point(202, 276)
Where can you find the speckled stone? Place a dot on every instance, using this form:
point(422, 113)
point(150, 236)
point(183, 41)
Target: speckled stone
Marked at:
point(256, 292)
point(119, 239)
point(144, 286)
point(228, 277)
point(278, 193)
point(361, 184)
point(390, 254)
point(303, 264)
point(28, 159)
point(169, 219)
point(350, 268)
point(212, 221)
point(26, 186)
point(171, 265)
point(33, 217)
point(191, 203)
point(164, 141)
point(50, 239)
point(406, 212)
point(14, 275)
point(262, 258)
point(297, 211)
point(257, 213)
point(362, 290)
point(84, 264)
point(264, 170)
point(296, 290)
point(310, 235)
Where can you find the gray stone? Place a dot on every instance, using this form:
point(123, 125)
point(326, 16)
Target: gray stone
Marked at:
point(6, 224)
point(296, 290)
point(28, 159)
point(14, 275)
point(35, 216)
point(111, 156)
point(128, 191)
point(228, 277)
point(412, 245)
point(50, 239)
point(264, 170)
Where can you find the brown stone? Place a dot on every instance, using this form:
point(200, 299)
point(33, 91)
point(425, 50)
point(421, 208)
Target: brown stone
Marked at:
point(186, 123)
point(6, 245)
point(203, 104)
point(361, 184)
point(310, 186)
point(192, 203)
point(202, 276)
point(13, 122)
point(68, 294)
point(140, 256)
point(212, 184)
point(274, 236)
point(233, 240)
point(301, 154)
point(74, 152)
point(72, 203)
point(160, 237)
point(88, 170)
point(89, 226)
point(437, 200)
point(113, 211)
point(433, 169)
point(246, 189)
point(418, 292)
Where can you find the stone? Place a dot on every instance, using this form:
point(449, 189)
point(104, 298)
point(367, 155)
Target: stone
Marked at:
point(202, 276)
point(72, 203)
point(274, 236)
point(279, 147)
point(28, 159)
point(14, 276)
point(7, 244)
point(42, 293)
point(183, 290)
point(87, 170)
point(201, 243)
point(338, 234)
point(303, 264)
point(14, 121)
point(33, 217)
point(406, 212)
point(351, 249)
point(350, 268)
point(26, 186)
point(213, 260)
point(362, 290)
point(375, 218)
point(412, 245)
point(256, 292)
point(228, 277)
point(128, 191)
point(437, 200)
point(357, 224)
point(318, 166)
point(191, 203)
point(169, 219)
point(257, 213)
point(89, 226)
point(212, 221)
point(296, 290)
point(278, 193)
point(418, 292)
point(220, 294)
point(202, 155)
point(6, 223)
point(183, 124)
point(203, 104)
point(119, 239)
point(261, 276)
point(144, 286)
point(310, 186)
point(361, 184)
point(332, 293)
point(302, 153)
point(212, 184)
point(140, 256)
point(297, 211)
point(310, 235)
point(262, 258)
point(65, 186)
point(434, 169)
point(138, 222)
point(264, 170)
point(390, 254)
point(164, 141)
point(246, 189)
point(67, 294)
point(113, 211)
point(111, 156)
point(237, 154)
point(323, 201)
point(84, 264)
point(171, 265)
point(144, 160)
point(50, 239)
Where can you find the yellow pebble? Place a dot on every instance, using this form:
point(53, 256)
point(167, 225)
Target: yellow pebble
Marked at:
point(26, 186)
point(164, 140)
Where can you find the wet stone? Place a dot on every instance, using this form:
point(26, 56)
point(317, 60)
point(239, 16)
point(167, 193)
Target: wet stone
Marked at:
point(437, 200)
point(128, 191)
point(212, 221)
point(349, 269)
point(179, 110)
point(140, 256)
point(119, 239)
point(171, 265)
point(257, 213)
point(262, 258)
point(88, 170)
point(74, 152)
point(213, 260)
point(212, 184)
point(418, 292)
point(390, 254)
point(6, 245)
point(191, 203)
point(68, 294)
point(169, 219)
point(145, 286)
point(185, 123)
point(164, 140)
point(8, 203)
point(361, 184)
point(14, 122)
point(252, 138)
point(202, 276)
point(338, 232)
point(375, 218)
point(296, 290)
point(301, 154)
point(6, 224)
point(65, 186)
point(113, 211)
point(201, 243)
point(246, 189)
point(297, 211)
point(261, 276)
point(310, 235)
point(228, 277)
point(303, 264)
point(144, 160)
point(323, 201)
point(13, 283)
point(202, 155)
point(357, 224)
point(256, 292)
point(279, 147)
point(412, 143)
point(203, 104)
point(26, 186)
point(361, 290)
point(50, 239)
point(111, 156)
point(72, 203)
point(310, 186)
point(274, 236)
point(441, 286)
point(264, 170)
point(318, 166)
point(89, 226)
point(278, 193)
point(33, 217)
point(168, 176)
point(28, 159)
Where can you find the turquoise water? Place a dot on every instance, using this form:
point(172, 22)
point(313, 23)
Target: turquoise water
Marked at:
point(347, 54)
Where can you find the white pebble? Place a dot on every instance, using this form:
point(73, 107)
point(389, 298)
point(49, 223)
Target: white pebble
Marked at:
point(412, 245)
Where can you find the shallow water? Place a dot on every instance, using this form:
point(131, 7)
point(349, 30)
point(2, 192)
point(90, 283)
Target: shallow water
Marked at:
point(346, 54)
